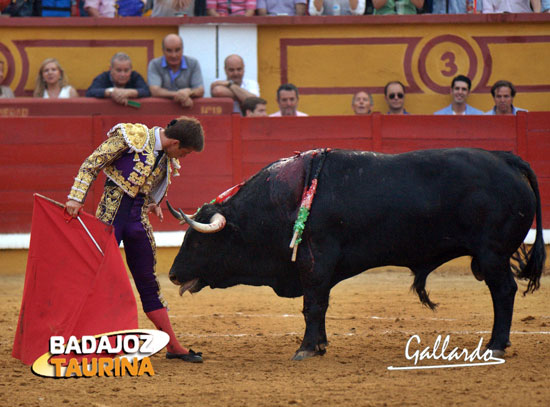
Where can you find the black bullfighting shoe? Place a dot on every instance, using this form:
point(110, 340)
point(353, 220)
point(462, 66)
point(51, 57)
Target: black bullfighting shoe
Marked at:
point(192, 356)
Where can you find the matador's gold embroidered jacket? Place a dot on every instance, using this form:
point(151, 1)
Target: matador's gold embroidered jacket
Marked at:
point(127, 158)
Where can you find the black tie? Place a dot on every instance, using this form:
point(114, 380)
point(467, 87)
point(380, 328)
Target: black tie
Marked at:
point(157, 160)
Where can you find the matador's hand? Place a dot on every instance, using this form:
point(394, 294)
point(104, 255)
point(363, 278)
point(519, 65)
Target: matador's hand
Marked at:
point(157, 210)
point(73, 207)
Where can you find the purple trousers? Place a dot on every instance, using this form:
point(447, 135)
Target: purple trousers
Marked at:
point(132, 226)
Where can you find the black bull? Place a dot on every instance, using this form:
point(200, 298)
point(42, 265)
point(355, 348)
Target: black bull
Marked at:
point(417, 210)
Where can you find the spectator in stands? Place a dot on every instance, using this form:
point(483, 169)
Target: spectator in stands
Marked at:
point(82, 8)
point(219, 8)
point(56, 8)
point(517, 6)
point(172, 8)
point(4, 4)
point(52, 83)
point(287, 98)
point(5, 92)
point(362, 102)
point(21, 8)
point(235, 86)
point(281, 7)
point(394, 93)
point(113, 8)
point(174, 75)
point(100, 8)
point(460, 90)
point(336, 7)
point(120, 82)
point(255, 107)
point(503, 94)
point(453, 6)
point(545, 6)
point(383, 7)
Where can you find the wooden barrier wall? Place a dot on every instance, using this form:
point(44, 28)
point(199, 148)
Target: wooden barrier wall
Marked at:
point(43, 153)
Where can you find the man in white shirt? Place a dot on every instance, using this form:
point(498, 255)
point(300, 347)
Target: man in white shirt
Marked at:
point(235, 86)
point(287, 98)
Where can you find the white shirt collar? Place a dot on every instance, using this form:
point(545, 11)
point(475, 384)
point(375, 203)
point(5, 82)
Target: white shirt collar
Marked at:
point(158, 144)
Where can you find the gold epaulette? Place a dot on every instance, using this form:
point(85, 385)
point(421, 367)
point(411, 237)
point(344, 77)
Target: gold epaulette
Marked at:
point(136, 135)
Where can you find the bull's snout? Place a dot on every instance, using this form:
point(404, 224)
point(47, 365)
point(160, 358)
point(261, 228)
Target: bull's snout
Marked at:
point(173, 278)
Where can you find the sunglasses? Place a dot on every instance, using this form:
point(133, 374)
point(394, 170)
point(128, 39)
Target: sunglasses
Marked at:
point(396, 95)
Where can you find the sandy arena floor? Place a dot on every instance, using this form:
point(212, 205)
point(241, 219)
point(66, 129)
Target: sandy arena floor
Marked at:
point(248, 336)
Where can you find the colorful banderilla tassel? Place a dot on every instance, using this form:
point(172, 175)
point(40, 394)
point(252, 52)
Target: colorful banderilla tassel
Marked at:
point(305, 205)
point(303, 213)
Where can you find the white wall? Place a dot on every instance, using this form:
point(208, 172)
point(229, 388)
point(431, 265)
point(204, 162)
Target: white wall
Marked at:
point(211, 43)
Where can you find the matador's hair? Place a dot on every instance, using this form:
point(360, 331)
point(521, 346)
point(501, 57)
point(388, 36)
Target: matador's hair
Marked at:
point(188, 131)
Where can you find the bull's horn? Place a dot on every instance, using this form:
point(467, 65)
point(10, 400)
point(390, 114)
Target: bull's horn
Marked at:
point(179, 215)
point(217, 223)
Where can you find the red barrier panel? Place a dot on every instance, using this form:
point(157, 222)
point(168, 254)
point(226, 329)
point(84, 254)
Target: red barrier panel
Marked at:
point(266, 140)
point(42, 154)
point(537, 152)
point(38, 155)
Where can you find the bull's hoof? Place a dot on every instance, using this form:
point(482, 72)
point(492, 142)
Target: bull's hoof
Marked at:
point(306, 354)
point(492, 344)
point(497, 353)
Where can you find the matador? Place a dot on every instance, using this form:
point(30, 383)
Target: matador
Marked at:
point(139, 163)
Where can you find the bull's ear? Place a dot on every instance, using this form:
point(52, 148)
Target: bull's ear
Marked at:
point(234, 230)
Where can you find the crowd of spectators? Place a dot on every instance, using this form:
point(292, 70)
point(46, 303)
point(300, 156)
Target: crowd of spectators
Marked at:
point(224, 8)
point(178, 77)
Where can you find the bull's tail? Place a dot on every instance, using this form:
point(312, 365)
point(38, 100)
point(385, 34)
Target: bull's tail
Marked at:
point(530, 263)
point(419, 285)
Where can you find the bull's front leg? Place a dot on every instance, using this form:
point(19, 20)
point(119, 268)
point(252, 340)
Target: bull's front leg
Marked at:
point(503, 289)
point(315, 337)
point(316, 261)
